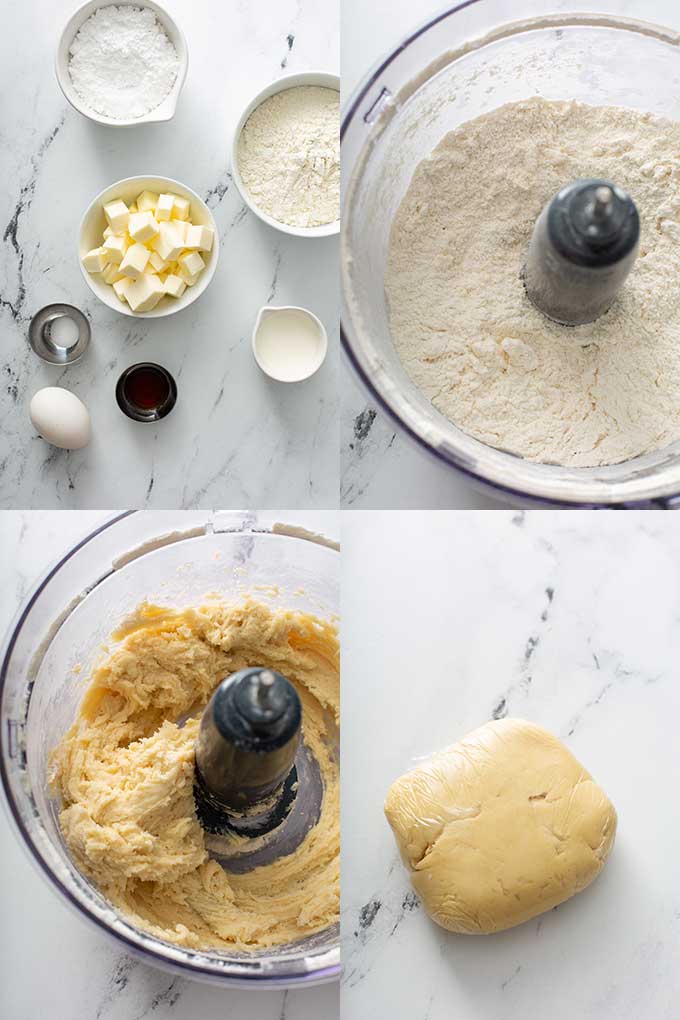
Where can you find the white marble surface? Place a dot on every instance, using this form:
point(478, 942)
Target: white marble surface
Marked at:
point(382, 469)
point(567, 620)
point(235, 438)
point(53, 964)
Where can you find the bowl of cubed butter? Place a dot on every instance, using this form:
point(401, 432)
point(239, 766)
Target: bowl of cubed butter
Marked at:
point(148, 246)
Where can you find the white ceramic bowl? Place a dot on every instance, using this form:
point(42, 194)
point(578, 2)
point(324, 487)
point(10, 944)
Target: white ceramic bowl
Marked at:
point(288, 81)
point(167, 108)
point(92, 227)
point(316, 358)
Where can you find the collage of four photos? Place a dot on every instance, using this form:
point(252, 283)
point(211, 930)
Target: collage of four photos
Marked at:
point(352, 746)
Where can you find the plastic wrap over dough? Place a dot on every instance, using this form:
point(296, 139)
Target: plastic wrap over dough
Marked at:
point(500, 827)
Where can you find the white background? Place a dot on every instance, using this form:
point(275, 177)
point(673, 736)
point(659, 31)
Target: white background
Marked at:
point(53, 964)
point(572, 620)
point(235, 437)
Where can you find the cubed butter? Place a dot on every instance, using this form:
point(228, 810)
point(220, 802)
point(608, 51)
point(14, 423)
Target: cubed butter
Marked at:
point(147, 201)
point(135, 260)
point(156, 262)
point(164, 207)
point(189, 278)
point(181, 226)
point(95, 260)
point(116, 247)
point(117, 215)
point(143, 227)
point(174, 285)
point(169, 243)
point(133, 208)
point(192, 262)
point(181, 208)
point(199, 238)
point(112, 273)
point(107, 232)
point(144, 293)
point(121, 286)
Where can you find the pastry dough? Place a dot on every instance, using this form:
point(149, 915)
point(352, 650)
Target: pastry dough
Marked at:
point(125, 774)
point(500, 827)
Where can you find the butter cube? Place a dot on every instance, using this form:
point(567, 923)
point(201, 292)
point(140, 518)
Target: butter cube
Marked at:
point(143, 226)
point(95, 260)
point(156, 262)
point(121, 286)
point(189, 278)
point(107, 232)
point(117, 215)
point(174, 285)
point(192, 262)
point(144, 293)
point(134, 261)
point(147, 201)
point(112, 273)
point(116, 247)
point(164, 207)
point(181, 208)
point(199, 238)
point(169, 243)
point(181, 226)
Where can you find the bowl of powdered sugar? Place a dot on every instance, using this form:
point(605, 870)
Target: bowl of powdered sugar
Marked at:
point(122, 63)
point(286, 154)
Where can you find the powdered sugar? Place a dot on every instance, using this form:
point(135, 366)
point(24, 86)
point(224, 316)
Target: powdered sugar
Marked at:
point(462, 324)
point(289, 156)
point(122, 63)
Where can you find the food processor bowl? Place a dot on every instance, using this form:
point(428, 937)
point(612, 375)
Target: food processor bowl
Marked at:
point(176, 559)
point(465, 62)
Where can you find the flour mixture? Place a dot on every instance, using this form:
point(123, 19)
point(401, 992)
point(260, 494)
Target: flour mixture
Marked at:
point(289, 156)
point(125, 772)
point(462, 324)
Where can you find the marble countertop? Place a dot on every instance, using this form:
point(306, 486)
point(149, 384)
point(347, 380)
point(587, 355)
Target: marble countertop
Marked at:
point(235, 437)
point(567, 620)
point(53, 964)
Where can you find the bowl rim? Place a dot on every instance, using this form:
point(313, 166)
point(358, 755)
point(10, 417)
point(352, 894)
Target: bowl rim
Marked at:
point(71, 29)
point(193, 292)
point(292, 79)
point(324, 974)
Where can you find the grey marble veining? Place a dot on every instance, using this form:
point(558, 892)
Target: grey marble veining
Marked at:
point(53, 964)
point(381, 469)
point(568, 620)
point(235, 438)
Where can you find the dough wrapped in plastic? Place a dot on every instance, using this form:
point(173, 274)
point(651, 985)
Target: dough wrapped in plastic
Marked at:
point(504, 825)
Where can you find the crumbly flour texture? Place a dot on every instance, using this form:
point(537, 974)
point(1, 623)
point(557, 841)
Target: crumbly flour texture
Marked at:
point(289, 156)
point(125, 774)
point(462, 324)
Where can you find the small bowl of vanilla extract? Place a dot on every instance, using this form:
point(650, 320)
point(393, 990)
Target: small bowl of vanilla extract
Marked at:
point(146, 392)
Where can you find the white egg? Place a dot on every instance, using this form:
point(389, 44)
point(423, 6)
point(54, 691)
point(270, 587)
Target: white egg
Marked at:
point(61, 418)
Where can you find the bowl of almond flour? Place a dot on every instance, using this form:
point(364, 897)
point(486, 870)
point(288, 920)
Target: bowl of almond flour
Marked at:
point(285, 154)
point(449, 155)
point(122, 63)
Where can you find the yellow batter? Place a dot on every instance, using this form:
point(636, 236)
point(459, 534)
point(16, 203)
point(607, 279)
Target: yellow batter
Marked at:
point(125, 774)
